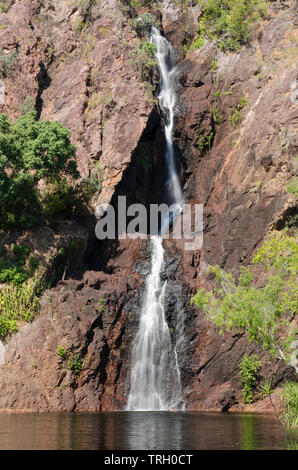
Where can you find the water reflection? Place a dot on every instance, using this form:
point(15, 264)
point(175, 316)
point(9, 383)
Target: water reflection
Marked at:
point(143, 430)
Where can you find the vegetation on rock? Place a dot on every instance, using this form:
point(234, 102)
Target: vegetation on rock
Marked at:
point(36, 158)
point(74, 361)
point(7, 62)
point(228, 22)
point(30, 152)
point(289, 415)
point(18, 303)
point(236, 113)
point(267, 314)
point(144, 62)
point(144, 23)
point(249, 368)
point(4, 7)
point(292, 186)
point(37, 154)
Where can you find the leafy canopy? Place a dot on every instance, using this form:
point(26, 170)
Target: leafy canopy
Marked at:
point(30, 151)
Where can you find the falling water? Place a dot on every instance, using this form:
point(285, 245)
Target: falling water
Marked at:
point(155, 376)
point(167, 101)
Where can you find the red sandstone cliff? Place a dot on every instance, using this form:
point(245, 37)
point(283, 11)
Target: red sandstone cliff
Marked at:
point(84, 78)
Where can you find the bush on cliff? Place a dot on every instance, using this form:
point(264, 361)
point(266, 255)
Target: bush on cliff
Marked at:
point(144, 23)
point(249, 368)
point(144, 61)
point(31, 152)
point(292, 186)
point(18, 303)
point(268, 313)
point(229, 22)
point(7, 62)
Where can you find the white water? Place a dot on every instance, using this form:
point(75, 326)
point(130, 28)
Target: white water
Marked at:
point(167, 101)
point(155, 377)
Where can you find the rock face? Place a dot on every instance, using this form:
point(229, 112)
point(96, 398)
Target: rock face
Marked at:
point(78, 69)
point(83, 77)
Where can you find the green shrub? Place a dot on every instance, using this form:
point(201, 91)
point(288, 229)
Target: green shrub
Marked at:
point(58, 200)
point(61, 352)
point(15, 275)
point(235, 118)
point(266, 314)
point(13, 271)
point(265, 389)
point(20, 253)
point(78, 25)
point(33, 265)
point(249, 368)
point(214, 65)
point(18, 303)
point(75, 363)
point(30, 151)
point(102, 306)
point(144, 23)
point(236, 113)
point(149, 49)
point(4, 7)
point(88, 187)
point(229, 22)
point(7, 62)
point(218, 118)
point(205, 142)
point(143, 62)
point(199, 41)
point(7, 326)
point(292, 186)
point(291, 221)
point(242, 102)
point(289, 415)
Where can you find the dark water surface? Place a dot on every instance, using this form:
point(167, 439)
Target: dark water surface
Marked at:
point(143, 430)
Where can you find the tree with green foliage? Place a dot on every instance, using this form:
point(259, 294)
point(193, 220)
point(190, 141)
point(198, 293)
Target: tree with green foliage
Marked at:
point(30, 152)
point(267, 314)
point(249, 368)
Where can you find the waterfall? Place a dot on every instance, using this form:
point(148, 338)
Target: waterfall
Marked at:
point(167, 101)
point(155, 375)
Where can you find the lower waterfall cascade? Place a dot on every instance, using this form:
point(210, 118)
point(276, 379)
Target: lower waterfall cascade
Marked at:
point(155, 375)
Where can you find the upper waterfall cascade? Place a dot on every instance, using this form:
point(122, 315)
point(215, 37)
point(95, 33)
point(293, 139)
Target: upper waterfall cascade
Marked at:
point(155, 376)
